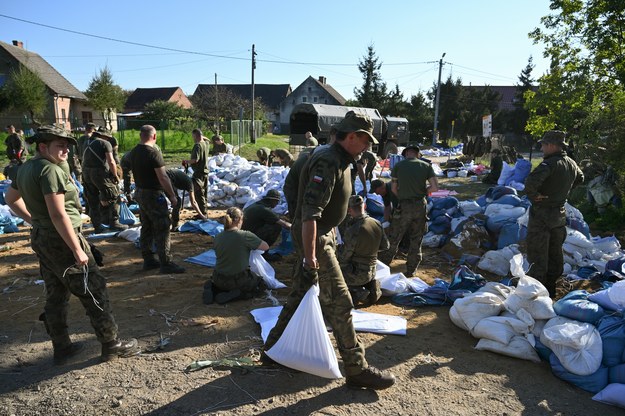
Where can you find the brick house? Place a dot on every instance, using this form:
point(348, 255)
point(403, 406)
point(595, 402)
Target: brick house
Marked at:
point(142, 96)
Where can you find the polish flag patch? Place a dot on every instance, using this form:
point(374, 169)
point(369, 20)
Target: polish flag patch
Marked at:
point(317, 179)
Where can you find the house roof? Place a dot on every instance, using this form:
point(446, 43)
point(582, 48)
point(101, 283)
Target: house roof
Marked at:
point(334, 93)
point(50, 76)
point(270, 94)
point(142, 96)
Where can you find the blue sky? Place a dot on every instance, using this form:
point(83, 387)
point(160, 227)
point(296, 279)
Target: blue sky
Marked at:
point(485, 41)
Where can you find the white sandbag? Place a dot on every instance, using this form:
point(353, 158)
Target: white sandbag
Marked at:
point(504, 210)
point(507, 171)
point(381, 270)
point(476, 306)
point(130, 234)
point(305, 344)
point(432, 240)
point(576, 238)
point(230, 189)
point(469, 208)
point(457, 319)
point(498, 261)
point(577, 345)
point(539, 325)
point(398, 283)
point(530, 294)
point(606, 244)
point(463, 173)
point(260, 267)
point(501, 328)
point(572, 212)
point(524, 219)
point(500, 290)
point(518, 347)
point(455, 222)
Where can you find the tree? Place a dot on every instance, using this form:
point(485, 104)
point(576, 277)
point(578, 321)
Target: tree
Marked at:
point(395, 104)
point(206, 100)
point(25, 92)
point(520, 115)
point(420, 117)
point(105, 96)
point(373, 91)
point(163, 110)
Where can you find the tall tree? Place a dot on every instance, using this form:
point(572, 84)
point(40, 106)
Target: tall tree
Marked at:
point(105, 96)
point(373, 92)
point(395, 104)
point(420, 117)
point(25, 92)
point(520, 115)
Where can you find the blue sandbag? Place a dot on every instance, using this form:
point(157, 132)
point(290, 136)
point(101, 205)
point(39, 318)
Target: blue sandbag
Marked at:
point(616, 264)
point(497, 192)
point(612, 331)
point(125, 214)
point(617, 374)
point(575, 305)
point(496, 222)
point(481, 201)
point(543, 351)
point(445, 203)
point(593, 383)
point(440, 225)
point(375, 209)
point(209, 227)
point(522, 169)
point(509, 234)
point(286, 244)
point(509, 199)
point(579, 225)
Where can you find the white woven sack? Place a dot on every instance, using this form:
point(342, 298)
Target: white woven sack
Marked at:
point(475, 307)
point(518, 347)
point(305, 344)
point(260, 266)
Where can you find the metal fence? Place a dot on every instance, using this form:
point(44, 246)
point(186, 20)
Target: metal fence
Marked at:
point(241, 131)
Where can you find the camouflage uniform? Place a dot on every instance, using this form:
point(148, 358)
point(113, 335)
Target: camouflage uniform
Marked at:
point(155, 224)
point(263, 154)
point(325, 186)
point(200, 174)
point(363, 238)
point(16, 150)
point(546, 229)
point(410, 215)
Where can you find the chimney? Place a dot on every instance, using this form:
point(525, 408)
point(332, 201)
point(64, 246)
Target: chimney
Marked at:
point(18, 43)
point(322, 80)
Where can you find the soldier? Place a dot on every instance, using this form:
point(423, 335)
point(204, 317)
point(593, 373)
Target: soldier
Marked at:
point(218, 145)
point(548, 187)
point(181, 181)
point(260, 219)
point(152, 184)
point(409, 178)
point(199, 157)
point(496, 165)
point(285, 158)
point(264, 156)
point(89, 129)
point(364, 168)
point(44, 196)
point(325, 187)
point(15, 146)
point(363, 238)
point(388, 197)
point(100, 182)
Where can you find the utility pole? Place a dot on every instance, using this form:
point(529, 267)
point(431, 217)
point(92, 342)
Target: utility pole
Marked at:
point(253, 138)
point(438, 97)
point(216, 107)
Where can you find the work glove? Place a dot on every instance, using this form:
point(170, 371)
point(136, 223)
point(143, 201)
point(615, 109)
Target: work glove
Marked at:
point(310, 277)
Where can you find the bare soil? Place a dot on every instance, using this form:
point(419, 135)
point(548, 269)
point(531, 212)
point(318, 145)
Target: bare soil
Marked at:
point(438, 371)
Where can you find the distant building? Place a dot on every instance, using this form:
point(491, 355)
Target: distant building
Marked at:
point(141, 97)
point(271, 95)
point(507, 95)
point(67, 106)
point(313, 91)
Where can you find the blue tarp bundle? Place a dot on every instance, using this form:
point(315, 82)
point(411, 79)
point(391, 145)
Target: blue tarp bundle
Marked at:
point(286, 244)
point(209, 227)
point(208, 258)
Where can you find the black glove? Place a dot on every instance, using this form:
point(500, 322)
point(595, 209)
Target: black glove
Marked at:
point(310, 276)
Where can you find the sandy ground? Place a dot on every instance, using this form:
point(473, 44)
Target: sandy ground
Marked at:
point(438, 370)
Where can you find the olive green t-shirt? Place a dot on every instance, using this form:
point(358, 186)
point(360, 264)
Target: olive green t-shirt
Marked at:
point(200, 153)
point(39, 177)
point(233, 250)
point(411, 176)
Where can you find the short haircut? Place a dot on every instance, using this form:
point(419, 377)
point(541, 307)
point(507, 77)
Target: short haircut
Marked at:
point(197, 131)
point(376, 183)
point(147, 131)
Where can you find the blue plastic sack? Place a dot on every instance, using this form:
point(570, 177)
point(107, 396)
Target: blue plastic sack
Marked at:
point(616, 264)
point(509, 234)
point(617, 374)
point(465, 278)
point(448, 202)
point(496, 192)
point(125, 214)
point(579, 225)
point(375, 209)
point(509, 199)
point(286, 244)
point(495, 222)
point(209, 227)
point(612, 331)
point(522, 169)
point(575, 305)
point(602, 298)
point(543, 351)
point(440, 225)
point(593, 383)
point(208, 259)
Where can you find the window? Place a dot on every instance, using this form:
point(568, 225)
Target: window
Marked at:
point(63, 115)
point(87, 117)
point(309, 89)
point(315, 99)
point(304, 99)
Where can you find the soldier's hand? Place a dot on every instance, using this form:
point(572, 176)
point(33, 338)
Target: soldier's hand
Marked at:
point(81, 257)
point(310, 274)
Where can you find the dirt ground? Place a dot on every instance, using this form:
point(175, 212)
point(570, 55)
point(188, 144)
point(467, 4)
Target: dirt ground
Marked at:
point(438, 371)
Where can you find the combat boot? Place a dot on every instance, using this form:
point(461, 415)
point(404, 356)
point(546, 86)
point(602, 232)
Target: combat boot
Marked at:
point(119, 349)
point(63, 354)
point(113, 218)
point(171, 268)
point(371, 378)
point(150, 263)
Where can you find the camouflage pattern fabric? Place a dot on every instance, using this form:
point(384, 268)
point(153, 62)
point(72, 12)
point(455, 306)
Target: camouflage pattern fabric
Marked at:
point(409, 217)
point(246, 281)
point(99, 188)
point(546, 232)
point(62, 278)
point(155, 224)
point(200, 186)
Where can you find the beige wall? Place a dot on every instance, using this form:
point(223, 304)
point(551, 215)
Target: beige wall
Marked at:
point(80, 107)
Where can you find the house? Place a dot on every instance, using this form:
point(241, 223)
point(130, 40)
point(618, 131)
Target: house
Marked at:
point(313, 91)
point(67, 106)
point(142, 96)
point(271, 95)
point(507, 95)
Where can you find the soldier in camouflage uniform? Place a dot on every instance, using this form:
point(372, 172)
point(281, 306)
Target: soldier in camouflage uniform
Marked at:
point(548, 187)
point(152, 184)
point(264, 156)
point(325, 187)
point(45, 196)
point(409, 179)
point(218, 145)
point(363, 238)
point(198, 162)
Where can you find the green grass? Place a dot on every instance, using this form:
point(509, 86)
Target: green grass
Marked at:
point(271, 141)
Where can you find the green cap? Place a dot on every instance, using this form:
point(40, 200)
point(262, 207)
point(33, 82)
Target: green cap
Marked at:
point(46, 134)
point(103, 132)
point(554, 137)
point(272, 194)
point(355, 201)
point(410, 146)
point(357, 123)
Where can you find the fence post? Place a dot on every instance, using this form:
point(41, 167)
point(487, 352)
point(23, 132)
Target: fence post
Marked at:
point(162, 128)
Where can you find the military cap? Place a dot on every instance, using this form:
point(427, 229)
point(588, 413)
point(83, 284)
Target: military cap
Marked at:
point(410, 146)
point(46, 134)
point(272, 194)
point(554, 137)
point(103, 132)
point(357, 123)
point(91, 126)
point(355, 201)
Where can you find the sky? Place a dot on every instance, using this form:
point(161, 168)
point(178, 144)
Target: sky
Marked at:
point(186, 42)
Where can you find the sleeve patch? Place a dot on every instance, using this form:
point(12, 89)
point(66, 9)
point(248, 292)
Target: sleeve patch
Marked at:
point(317, 179)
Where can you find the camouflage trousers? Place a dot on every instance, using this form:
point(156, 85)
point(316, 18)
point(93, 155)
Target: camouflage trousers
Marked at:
point(200, 186)
point(358, 274)
point(336, 302)
point(246, 281)
point(155, 224)
point(101, 193)
point(62, 278)
point(546, 232)
point(409, 217)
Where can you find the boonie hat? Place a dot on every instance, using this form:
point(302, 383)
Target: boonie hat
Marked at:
point(46, 134)
point(272, 194)
point(103, 132)
point(357, 123)
point(554, 137)
point(91, 126)
point(410, 147)
point(355, 201)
